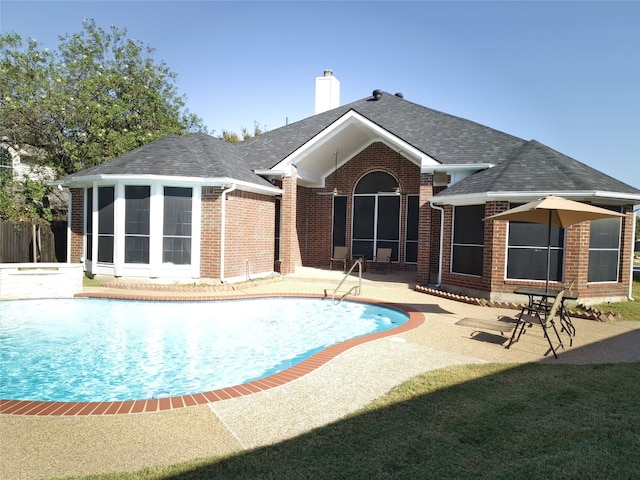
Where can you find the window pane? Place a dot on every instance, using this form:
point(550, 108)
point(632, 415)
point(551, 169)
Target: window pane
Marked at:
point(605, 233)
point(89, 210)
point(105, 249)
point(363, 220)
point(137, 210)
point(531, 264)
point(339, 221)
point(363, 248)
point(603, 265)
point(468, 240)
point(389, 217)
point(604, 249)
point(177, 211)
point(276, 248)
point(105, 224)
point(411, 252)
point(105, 210)
point(176, 246)
point(413, 209)
point(136, 250)
point(468, 226)
point(467, 259)
point(534, 235)
point(176, 251)
point(89, 217)
point(376, 182)
point(392, 245)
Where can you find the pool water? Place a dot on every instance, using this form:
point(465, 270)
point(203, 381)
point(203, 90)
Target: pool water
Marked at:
point(81, 350)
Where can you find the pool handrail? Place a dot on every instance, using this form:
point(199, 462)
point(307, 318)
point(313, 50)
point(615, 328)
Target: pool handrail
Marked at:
point(357, 288)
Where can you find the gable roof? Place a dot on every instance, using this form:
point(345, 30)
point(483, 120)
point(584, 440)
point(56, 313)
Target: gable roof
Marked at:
point(533, 167)
point(441, 138)
point(446, 138)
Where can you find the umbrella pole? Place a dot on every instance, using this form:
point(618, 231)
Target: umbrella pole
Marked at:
point(546, 288)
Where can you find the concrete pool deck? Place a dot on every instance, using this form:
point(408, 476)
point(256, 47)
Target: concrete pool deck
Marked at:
point(36, 447)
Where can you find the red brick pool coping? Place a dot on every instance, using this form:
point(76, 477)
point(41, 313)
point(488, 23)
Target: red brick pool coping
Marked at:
point(37, 408)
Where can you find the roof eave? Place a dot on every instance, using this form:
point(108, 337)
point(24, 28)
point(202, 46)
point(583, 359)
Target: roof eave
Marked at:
point(471, 167)
point(523, 197)
point(222, 182)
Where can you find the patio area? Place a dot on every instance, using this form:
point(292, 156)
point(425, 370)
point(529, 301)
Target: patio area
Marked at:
point(45, 447)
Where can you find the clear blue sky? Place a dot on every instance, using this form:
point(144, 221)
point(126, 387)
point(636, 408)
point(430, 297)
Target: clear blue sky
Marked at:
point(566, 73)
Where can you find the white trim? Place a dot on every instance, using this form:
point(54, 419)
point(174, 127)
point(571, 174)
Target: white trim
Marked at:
point(328, 140)
point(171, 181)
point(524, 197)
point(440, 167)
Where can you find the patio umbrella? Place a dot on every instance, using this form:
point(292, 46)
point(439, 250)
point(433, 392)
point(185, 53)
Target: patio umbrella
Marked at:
point(554, 211)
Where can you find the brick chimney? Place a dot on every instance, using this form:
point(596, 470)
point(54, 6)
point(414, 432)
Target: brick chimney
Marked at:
point(327, 92)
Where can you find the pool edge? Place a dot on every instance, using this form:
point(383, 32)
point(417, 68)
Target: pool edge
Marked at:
point(59, 409)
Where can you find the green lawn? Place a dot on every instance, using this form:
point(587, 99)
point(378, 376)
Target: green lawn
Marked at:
point(627, 310)
point(481, 421)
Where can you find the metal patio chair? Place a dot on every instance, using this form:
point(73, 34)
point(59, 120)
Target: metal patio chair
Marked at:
point(340, 254)
point(545, 317)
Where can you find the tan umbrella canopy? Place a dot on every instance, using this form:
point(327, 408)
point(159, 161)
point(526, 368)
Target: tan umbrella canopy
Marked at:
point(554, 211)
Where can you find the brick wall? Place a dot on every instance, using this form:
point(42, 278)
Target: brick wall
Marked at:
point(249, 235)
point(210, 244)
point(428, 218)
point(290, 256)
point(76, 239)
point(493, 284)
point(315, 211)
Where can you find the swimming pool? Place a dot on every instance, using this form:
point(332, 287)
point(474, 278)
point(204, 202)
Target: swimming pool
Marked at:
point(97, 350)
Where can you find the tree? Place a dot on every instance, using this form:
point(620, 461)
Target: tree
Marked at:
point(232, 137)
point(99, 96)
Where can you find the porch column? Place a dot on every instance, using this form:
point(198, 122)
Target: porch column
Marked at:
point(210, 233)
point(425, 232)
point(289, 248)
point(76, 234)
point(495, 250)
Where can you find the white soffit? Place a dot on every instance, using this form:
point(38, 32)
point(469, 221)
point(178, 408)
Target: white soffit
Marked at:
point(347, 136)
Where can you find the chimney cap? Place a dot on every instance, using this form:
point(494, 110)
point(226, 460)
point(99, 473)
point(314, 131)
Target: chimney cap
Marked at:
point(328, 72)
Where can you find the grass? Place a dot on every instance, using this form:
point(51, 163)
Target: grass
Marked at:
point(475, 421)
point(91, 282)
point(627, 310)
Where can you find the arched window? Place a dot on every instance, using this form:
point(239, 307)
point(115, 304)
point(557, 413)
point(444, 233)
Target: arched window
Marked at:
point(376, 215)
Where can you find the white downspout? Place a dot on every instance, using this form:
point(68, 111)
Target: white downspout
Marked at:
point(223, 221)
point(441, 210)
point(633, 239)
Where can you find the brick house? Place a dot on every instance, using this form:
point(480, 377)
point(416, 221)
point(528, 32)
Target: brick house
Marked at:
point(378, 172)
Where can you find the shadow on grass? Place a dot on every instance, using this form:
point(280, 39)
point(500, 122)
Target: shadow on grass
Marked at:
point(474, 421)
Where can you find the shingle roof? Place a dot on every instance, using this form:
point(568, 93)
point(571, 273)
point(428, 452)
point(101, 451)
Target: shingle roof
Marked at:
point(520, 165)
point(197, 155)
point(446, 138)
point(534, 167)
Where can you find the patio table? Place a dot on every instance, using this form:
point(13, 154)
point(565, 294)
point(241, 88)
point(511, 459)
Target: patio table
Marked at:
point(539, 296)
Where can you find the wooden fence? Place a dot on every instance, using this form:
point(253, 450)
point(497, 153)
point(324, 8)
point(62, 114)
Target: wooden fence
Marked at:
point(33, 242)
